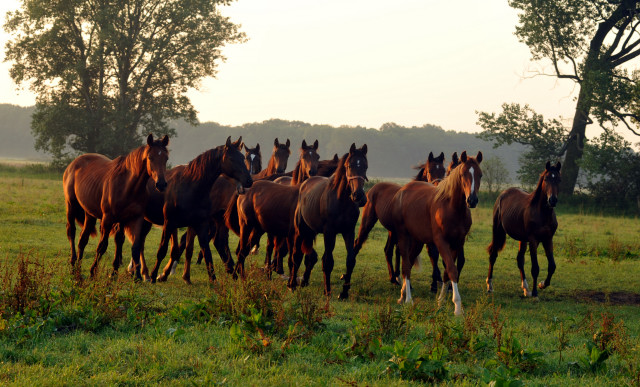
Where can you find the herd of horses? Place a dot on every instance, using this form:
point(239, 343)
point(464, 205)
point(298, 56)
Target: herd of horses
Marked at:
point(222, 190)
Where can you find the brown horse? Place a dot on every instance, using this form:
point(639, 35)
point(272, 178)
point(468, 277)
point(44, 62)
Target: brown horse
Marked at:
point(330, 206)
point(187, 202)
point(439, 215)
point(269, 207)
point(529, 219)
point(378, 207)
point(113, 191)
point(253, 159)
point(277, 162)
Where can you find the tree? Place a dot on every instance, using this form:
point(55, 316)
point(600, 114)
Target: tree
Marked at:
point(520, 124)
point(494, 173)
point(107, 71)
point(589, 42)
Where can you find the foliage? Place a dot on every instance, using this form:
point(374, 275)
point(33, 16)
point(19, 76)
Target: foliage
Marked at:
point(106, 73)
point(494, 174)
point(612, 170)
point(409, 364)
point(520, 124)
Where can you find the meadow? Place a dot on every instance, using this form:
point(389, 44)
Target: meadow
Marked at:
point(57, 329)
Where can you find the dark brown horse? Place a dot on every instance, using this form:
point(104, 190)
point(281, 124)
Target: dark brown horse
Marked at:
point(268, 207)
point(277, 162)
point(439, 215)
point(187, 202)
point(378, 207)
point(529, 219)
point(330, 206)
point(253, 159)
point(113, 191)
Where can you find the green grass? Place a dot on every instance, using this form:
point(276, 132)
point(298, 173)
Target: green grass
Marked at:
point(119, 332)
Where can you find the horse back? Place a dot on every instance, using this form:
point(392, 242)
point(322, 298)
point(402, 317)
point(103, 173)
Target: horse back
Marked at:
point(83, 182)
point(380, 196)
point(512, 210)
point(271, 206)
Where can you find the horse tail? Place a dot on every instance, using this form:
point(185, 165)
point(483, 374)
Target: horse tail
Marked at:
point(499, 235)
point(369, 219)
point(231, 219)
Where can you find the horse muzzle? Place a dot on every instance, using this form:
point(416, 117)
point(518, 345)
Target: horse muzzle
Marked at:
point(472, 201)
point(359, 198)
point(553, 200)
point(161, 185)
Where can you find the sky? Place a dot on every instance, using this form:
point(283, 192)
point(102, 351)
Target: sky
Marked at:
point(367, 62)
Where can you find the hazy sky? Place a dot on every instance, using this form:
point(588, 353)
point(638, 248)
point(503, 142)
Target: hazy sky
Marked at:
point(367, 62)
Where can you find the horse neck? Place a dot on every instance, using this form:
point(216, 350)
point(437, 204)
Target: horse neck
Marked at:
point(205, 169)
point(135, 166)
point(271, 167)
point(339, 181)
point(538, 196)
point(419, 175)
point(298, 175)
point(451, 190)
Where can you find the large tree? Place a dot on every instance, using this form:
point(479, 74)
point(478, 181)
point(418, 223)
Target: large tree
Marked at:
point(107, 71)
point(590, 42)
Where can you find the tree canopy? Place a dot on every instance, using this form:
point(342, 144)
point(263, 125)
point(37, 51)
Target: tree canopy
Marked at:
point(592, 43)
point(105, 72)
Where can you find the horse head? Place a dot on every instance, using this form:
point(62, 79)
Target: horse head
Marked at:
point(233, 165)
point(471, 175)
point(435, 167)
point(280, 155)
point(253, 158)
point(551, 182)
point(156, 156)
point(309, 158)
point(356, 170)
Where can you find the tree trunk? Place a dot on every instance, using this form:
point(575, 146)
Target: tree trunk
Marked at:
point(575, 148)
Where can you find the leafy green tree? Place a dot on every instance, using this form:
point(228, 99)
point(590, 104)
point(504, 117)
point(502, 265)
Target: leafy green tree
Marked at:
point(494, 173)
point(612, 170)
point(521, 125)
point(107, 71)
point(592, 43)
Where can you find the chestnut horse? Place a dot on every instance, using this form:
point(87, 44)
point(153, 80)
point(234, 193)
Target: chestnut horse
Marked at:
point(330, 206)
point(113, 191)
point(439, 215)
point(277, 162)
point(269, 206)
point(253, 159)
point(187, 202)
point(378, 207)
point(529, 219)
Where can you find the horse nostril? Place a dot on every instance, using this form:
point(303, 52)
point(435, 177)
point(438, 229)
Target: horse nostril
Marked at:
point(161, 185)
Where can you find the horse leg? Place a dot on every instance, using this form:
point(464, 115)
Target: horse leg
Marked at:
point(351, 264)
point(105, 230)
point(548, 250)
point(388, 255)
point(396, 272)
point(461, 260)
point(436, 276)
point(221, 243)
point(188, 254)
point(448, 258)
point(174, 256)
point(119, 242)
point(535, 268)
point(409, 252)
point(138, 231)
point(520, 260)
point(71, 231)
point(269, 252)
point(89, 224)
point(283, 251)
point(167, 230)
point(327, 263)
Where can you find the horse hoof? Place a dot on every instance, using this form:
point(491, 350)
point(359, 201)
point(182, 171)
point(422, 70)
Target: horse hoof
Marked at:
point(162, 278)
point(187, 280)
point(343, 296)
point(541, 285)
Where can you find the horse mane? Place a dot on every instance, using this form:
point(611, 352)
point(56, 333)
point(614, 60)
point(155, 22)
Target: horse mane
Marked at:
point(199, 168)
point(338, 180)
point(297, 176)
point(420, 172)
point(537, 193)
point(130, 162)
point(448, 186)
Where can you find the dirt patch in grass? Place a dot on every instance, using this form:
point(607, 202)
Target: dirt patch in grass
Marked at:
point(613, 298)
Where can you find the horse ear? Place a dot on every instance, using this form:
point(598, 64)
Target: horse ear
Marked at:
point(165, 140)
point(558, 165)
point(276, 142)
point(335, 157)
point(364, 149)
point(430, 156)
point(228, 143)
point(463, 156)
point(479, 157)
point(288, 143)
point(238, 143)
point(150, 139)
point(353, 147)
point(548, 165)
point(441, 157)
point(315, 144)
point(454, 158)
point(304, 144)
point(257, 147)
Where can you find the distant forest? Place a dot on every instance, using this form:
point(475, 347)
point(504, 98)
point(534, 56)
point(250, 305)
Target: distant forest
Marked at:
point(393, 149)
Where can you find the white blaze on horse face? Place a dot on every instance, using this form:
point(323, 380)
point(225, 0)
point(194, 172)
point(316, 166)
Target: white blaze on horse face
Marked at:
point(473, 180)
point(252, 156)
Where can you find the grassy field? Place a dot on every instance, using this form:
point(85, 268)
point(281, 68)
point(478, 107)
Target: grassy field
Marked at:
point(55, 330)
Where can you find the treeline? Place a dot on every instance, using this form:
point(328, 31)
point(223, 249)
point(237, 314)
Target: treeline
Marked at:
point(393, 149)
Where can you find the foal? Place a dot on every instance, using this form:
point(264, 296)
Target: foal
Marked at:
point(529, 219)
